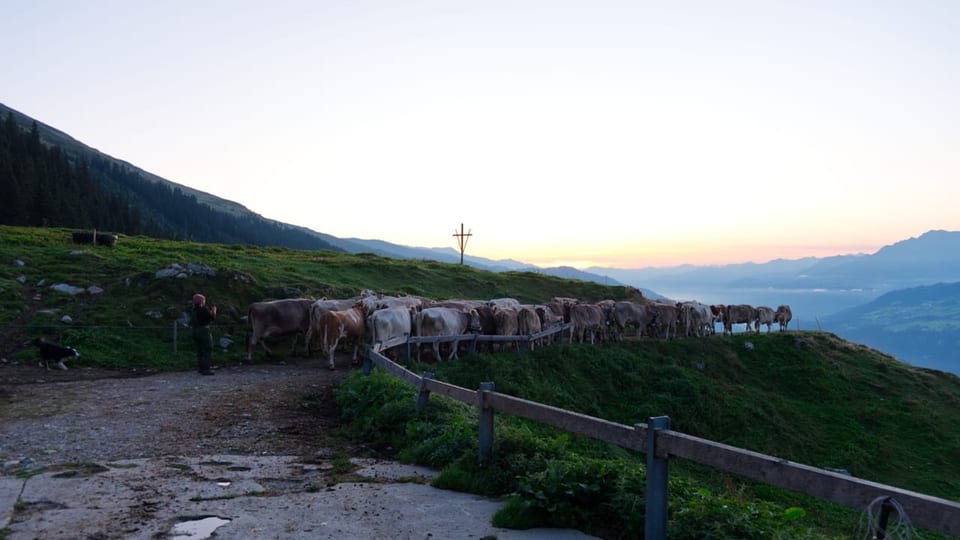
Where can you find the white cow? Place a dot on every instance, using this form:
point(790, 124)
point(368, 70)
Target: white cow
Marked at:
point(441, 321)
point(504, 303)
point(696, 319)
point(399, 301)
point(390, 324)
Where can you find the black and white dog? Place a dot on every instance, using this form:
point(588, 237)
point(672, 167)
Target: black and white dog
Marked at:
point(52, 352)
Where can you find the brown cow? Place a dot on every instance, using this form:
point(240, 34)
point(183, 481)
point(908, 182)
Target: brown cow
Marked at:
point(528, 323)
point(765, 316)
point(666, 318)
point(349, 325)
point(587, 319)
point(315, 327)
point(549, 318)
point(627, 313)
point(738, 314)
point(277, 318)
point(507, 325)
point(719, 312)
point(783, 316)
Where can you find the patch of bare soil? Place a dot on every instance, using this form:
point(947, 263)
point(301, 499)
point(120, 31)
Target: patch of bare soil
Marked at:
point(83, 414)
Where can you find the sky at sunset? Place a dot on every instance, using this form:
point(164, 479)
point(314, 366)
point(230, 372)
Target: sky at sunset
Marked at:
point(620, 134)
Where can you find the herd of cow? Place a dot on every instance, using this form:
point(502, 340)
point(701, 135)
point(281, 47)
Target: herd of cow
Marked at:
point(386, 321)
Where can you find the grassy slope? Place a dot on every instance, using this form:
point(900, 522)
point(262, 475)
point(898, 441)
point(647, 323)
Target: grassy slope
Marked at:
point(118, 319)
point(808, 397)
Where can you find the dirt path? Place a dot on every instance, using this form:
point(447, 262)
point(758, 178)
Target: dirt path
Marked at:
point(90, 414)
point(100, 454)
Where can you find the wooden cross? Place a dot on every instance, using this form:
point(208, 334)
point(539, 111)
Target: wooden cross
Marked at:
point(462, 240)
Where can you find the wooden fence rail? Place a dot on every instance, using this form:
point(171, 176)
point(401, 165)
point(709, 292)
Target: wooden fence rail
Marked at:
point(660, 443)
point(523, 341)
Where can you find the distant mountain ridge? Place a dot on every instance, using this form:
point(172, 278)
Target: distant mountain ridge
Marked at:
point(920, 325)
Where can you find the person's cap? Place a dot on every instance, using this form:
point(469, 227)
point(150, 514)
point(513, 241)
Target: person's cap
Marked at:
point(199, 299)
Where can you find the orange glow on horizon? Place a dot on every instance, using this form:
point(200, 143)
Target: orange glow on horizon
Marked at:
point(713, 256)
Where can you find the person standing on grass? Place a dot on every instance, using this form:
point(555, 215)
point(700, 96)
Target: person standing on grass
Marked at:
point(200, 317)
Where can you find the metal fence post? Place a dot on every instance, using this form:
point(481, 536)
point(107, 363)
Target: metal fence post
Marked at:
point(655, 522)
point(486, 422)
point(424, 394)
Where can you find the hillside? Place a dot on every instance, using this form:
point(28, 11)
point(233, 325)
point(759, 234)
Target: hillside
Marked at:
point(809, 397)
point(47, 178)
point(135, 303)
point(920, 325)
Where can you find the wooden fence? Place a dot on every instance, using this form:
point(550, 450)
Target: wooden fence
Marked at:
point(659, 443)
point(523, 343)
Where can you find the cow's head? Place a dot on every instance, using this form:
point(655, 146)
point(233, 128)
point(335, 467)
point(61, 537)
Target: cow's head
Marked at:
point(474, 324)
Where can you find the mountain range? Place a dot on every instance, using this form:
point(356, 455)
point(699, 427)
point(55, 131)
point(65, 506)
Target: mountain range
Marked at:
point(846, 294)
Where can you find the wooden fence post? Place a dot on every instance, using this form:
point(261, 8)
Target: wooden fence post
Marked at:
point(486, 422)
point(655, 522)
point(367, 362)
point(424, 394)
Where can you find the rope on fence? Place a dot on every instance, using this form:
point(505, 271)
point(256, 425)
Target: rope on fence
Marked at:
point(875, 521)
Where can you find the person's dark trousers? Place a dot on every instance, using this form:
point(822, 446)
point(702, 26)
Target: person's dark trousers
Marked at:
point(204, 342)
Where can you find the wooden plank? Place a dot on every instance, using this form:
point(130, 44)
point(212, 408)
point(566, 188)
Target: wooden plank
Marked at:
point(499, 338)
point(441, 339)
point(633, 438)
point(456, 392)
point(932, 513)
point(395, 369)
point(393, 342)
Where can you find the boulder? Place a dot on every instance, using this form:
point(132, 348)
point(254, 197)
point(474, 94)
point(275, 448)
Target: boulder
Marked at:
point(67, 289)
point(93, 289)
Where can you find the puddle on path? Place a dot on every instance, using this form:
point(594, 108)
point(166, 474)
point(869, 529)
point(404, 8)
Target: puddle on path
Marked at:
point(197, 529)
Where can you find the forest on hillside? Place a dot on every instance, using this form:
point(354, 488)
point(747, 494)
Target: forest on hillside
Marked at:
point(42, 186)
